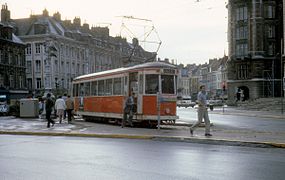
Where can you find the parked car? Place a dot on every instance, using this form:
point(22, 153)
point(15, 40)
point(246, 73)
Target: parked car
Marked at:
point(216, 102)
point(185, 101)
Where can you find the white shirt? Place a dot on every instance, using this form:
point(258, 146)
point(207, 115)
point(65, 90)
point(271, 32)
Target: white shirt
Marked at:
point(60, 104)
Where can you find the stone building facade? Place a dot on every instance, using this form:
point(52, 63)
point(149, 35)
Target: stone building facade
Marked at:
point(60, 50)
point(12, 63)
point(255, 30)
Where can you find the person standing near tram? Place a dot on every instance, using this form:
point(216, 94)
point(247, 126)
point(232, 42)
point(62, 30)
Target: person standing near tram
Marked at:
point(128, 110)
point(60, 108)
point(69, 108)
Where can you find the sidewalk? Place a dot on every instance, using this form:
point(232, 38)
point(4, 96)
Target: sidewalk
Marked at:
point(239, 112)
point(179, 132)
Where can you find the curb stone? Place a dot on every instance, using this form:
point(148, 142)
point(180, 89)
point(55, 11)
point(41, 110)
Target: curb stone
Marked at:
point(155, 137)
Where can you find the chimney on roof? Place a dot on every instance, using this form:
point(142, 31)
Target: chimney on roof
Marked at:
point(5, 13)
point(135, 41)
point(67, 22)
point(45, 12)
point(77, 21)
point(57, 16)
point(102, 32)
point(86, 26)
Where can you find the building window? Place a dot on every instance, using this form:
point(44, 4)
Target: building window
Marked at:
point(271, 49)
point(29, 67)
point(67, 67)
point(83, 69)
point(39, 83)
point(29, 83)
point(241, 13)
point(28, 49)
point(242, 71)
point(17, 60)
point(1, 80)
point(48, 81)
point(67, 83)
point(62, 67)
point(21, 82)
point(270, 11)
point(10, 58)
point(38, 48)
point(62, 83)
point(55, 66)
point(271, 31)
point(241, 49)
point(12, 85)
point(241, 32)
point(73, 68)
point(78, 69)
point(38, 66)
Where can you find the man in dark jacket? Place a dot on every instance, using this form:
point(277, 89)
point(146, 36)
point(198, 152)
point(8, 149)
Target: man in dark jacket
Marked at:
point(128, 110)
point(49, 105)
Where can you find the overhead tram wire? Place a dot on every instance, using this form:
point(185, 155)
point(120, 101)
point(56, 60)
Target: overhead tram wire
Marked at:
point(145, 35)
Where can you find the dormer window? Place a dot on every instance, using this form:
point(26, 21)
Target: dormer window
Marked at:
point(40, 29)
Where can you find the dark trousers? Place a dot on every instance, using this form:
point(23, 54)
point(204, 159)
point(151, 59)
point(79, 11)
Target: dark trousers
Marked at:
point(64, 114)
point(130, 119)
point(69, 114)
point(49, 120)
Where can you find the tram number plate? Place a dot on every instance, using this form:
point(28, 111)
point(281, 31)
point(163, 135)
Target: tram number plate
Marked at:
point(169, 71)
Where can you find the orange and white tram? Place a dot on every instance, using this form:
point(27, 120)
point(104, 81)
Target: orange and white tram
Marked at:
point(102, 95)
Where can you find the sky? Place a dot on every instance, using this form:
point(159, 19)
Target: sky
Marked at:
point(189, 31)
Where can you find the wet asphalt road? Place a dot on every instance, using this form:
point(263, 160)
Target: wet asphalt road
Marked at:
point(42, 157)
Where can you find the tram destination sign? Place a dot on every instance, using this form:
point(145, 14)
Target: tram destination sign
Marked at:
point(168, 71)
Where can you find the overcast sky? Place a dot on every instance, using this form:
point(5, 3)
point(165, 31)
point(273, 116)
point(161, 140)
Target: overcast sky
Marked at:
point(190, 31)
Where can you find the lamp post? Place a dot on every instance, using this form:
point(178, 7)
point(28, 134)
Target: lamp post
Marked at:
point(282, 78)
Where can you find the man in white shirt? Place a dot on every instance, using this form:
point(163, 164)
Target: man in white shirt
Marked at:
point(202, 112)
point(60, 107)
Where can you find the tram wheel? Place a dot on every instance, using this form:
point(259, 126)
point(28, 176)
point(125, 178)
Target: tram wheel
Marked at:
point(152, 124)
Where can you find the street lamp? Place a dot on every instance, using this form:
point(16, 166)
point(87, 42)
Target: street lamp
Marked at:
point(273, 81)
point(282, 84)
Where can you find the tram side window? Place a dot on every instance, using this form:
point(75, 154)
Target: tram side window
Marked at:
point(87, 89)
point(75, 90)
point(109, 84)
point(81, 87)
point(101, 88)
point(151, 83)
point(167, 84)
point(94, 88)
point(117, 87)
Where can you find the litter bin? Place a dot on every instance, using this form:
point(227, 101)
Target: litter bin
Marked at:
point(29, 107)
point(211, 107)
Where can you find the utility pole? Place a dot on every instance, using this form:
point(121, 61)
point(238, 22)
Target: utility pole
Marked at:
point(273, 76)
point(282, 77)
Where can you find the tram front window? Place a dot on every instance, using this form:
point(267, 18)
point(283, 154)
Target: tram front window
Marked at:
point(151, 83)
point(167, 84)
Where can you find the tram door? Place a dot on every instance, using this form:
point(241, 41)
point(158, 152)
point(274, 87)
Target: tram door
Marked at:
point(134, 84)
